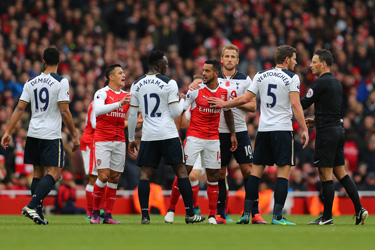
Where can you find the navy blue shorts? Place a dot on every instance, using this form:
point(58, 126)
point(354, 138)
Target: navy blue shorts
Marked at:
point(329, 147)
point(150, 152)
point(274, 147)
point(243, 153)
point(44, 153)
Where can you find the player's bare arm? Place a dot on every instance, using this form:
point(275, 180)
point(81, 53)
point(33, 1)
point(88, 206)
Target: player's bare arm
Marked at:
point(219, 103)
point(250, 106)
point(17, 114)
point(298, 114)
point(68, 121)
point(229, 120)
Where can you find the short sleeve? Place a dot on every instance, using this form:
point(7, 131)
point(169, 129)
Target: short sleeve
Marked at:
point(294, 86)
point(248, 82)
point(64, 94)
point(253, 88)
point(134, 99)
point(173, 96)
point(25, 97)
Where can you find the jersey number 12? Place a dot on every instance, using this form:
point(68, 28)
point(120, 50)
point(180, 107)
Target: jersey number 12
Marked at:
point(155, 108)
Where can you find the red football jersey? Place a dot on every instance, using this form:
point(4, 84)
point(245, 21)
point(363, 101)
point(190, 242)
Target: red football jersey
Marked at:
point(110, 126)
point(204, 121)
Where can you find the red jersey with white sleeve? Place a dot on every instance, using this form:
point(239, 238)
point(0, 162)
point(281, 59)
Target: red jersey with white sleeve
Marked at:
point(204, 121)
point(110, 115)
point(87, 139)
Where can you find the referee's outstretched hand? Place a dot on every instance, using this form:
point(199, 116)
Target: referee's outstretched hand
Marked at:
point(310, 122)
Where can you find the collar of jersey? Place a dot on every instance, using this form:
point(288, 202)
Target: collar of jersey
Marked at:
point(152, 74)
point(224, 76)
point(212, 90)
point(113, 89)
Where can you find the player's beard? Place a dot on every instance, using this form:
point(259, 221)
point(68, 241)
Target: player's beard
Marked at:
point(230, 68)
point(209, 80)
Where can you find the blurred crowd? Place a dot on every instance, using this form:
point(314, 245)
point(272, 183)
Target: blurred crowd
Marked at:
point(92, 34)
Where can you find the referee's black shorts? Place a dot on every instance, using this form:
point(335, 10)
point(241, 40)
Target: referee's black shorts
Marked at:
point(329, 147)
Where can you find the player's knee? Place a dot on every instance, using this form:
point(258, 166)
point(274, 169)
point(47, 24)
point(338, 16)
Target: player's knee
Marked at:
point(222, 173)
point(212, 175)
point(246, 173)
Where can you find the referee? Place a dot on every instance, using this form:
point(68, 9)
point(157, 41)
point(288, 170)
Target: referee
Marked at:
point(326, 94)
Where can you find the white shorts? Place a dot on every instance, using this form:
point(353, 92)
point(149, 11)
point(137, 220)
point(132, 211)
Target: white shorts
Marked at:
point(208, 149)
point(110, 154)
point(88, 157)
point(198, 165)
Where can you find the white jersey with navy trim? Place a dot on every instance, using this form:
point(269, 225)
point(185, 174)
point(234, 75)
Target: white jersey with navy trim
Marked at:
point(274, 86)
point(237, 85)
point(44, 92)
point(153, 94)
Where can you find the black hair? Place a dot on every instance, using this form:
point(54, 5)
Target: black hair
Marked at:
point(282, 52)
point(215, 63)
point(51, 56)
point(155, 57)
point(109, 70)
point(324, 56)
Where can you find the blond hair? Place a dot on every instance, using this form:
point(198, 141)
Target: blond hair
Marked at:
point(231, 47)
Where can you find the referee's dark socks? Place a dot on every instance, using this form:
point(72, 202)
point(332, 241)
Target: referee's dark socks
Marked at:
point(42, 189)
point(255, 209)
point(245, 181)
point(352, 191)
point(281, 191)
point(144, 195)
point(221, 198)
point(187, 194)
point(328, 193)
point(252, 187)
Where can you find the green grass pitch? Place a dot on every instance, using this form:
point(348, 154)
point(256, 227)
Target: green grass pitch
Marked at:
point(74, 232)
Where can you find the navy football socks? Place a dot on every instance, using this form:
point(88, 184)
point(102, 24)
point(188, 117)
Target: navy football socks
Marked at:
point(187, 194)
point(42, 189)
point(281, 191)
point(221, 198)
point(144, 195)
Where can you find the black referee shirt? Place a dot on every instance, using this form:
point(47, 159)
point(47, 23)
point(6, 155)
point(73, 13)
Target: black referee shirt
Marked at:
point(326, 94)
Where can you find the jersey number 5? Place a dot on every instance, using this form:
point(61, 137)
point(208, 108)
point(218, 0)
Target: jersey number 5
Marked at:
point(153, 112)
point(43, 97)
point(271, 94)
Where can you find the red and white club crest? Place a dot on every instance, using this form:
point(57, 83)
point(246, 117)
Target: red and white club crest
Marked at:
point(227, 84)
point(223, 97)
point(98, 162)
point(186, 157)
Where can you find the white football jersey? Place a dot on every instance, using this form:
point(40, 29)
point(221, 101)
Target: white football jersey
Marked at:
point(44, 92)
point(236, 85)
point(153, 94)
point(273, 86)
